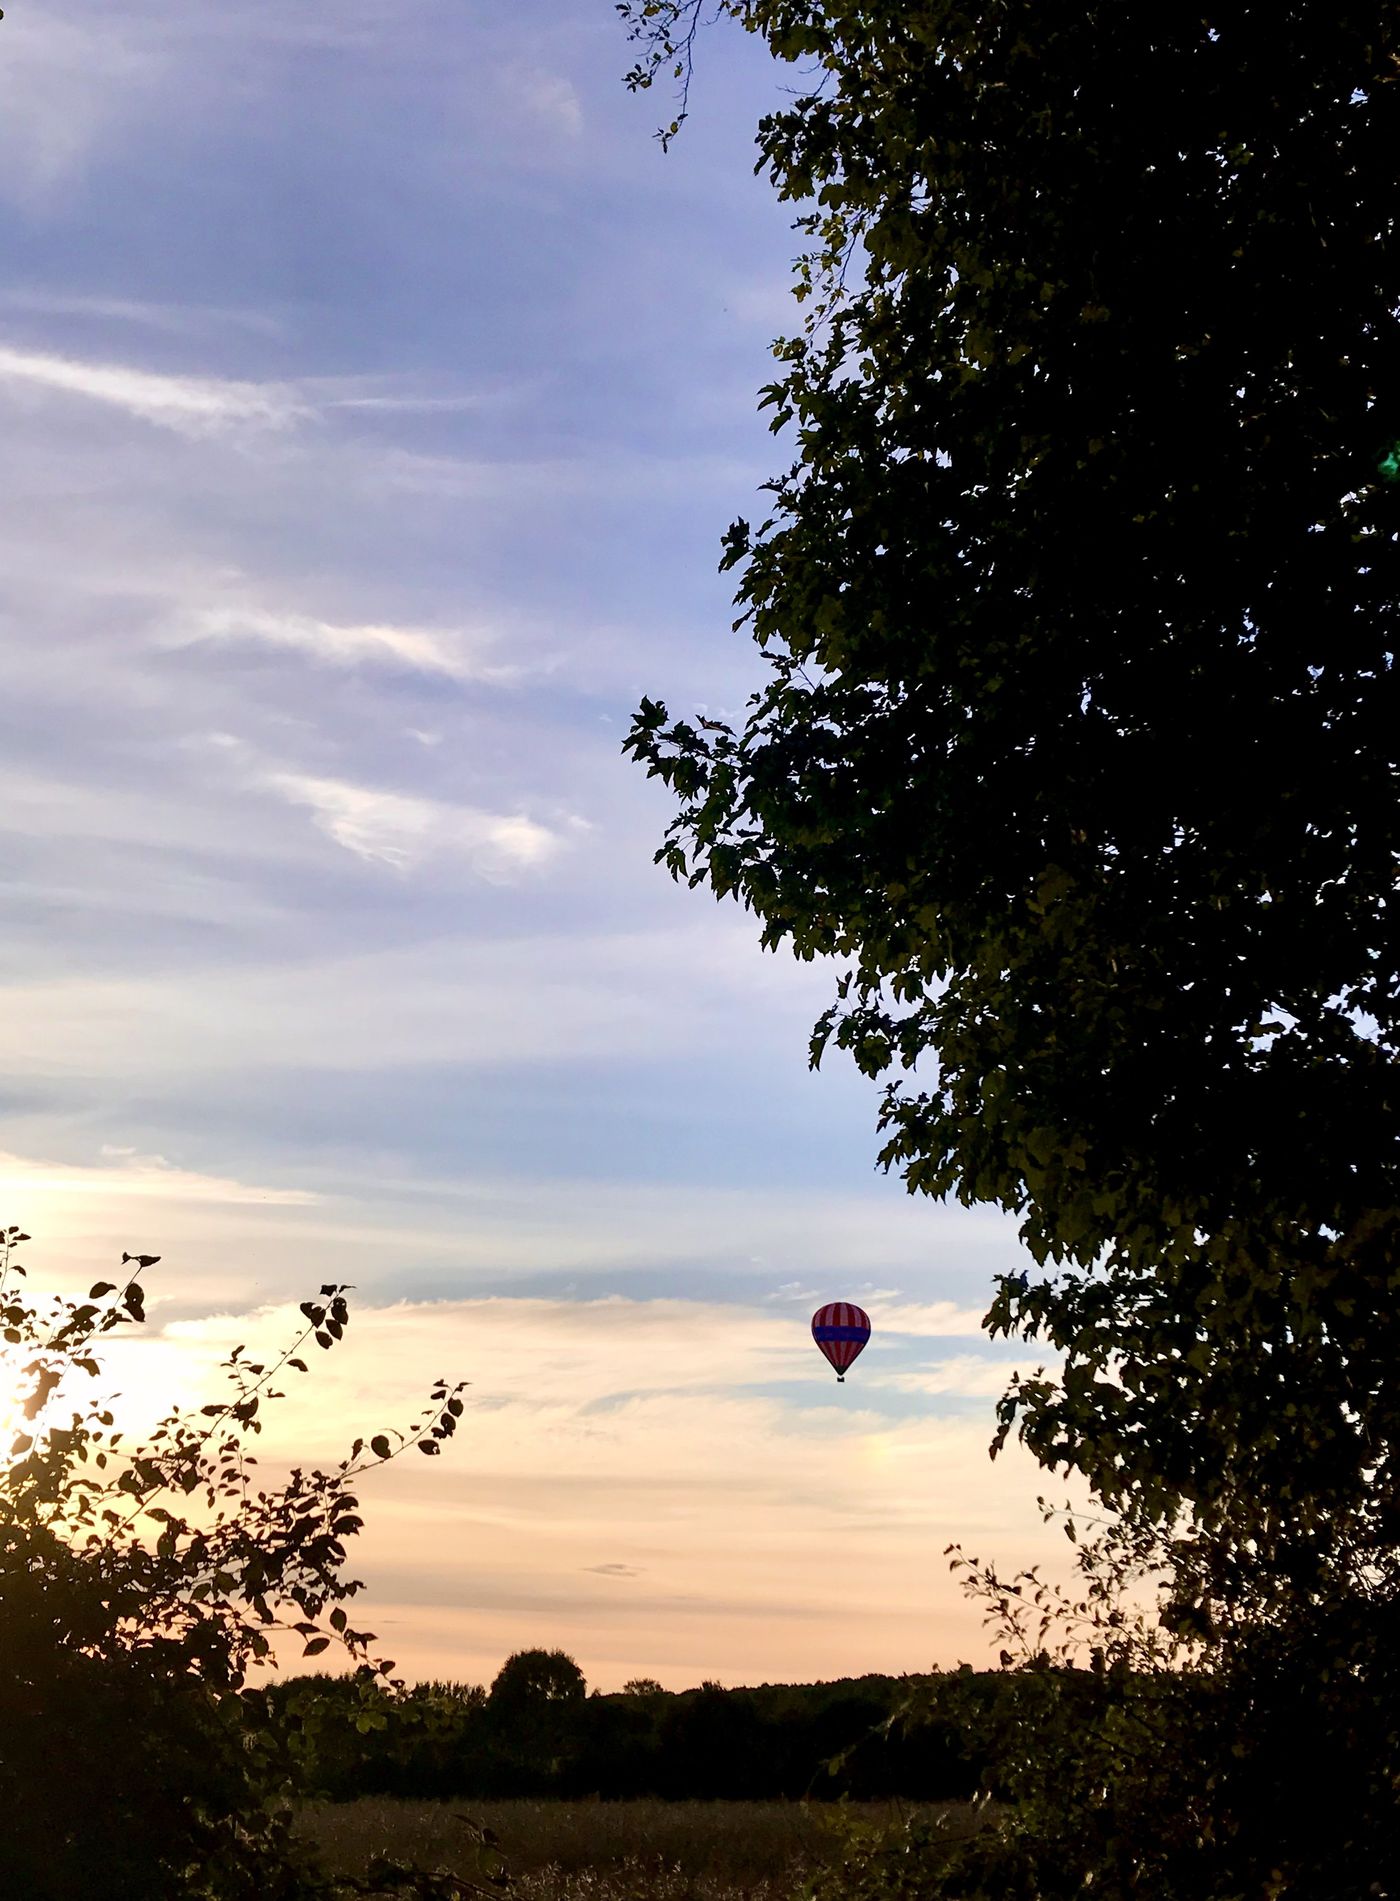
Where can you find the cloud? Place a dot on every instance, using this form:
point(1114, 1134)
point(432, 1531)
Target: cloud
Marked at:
point(452, 997)
point(615, 1570)
point(549, 98)
point(595, 1355)
point(407, 405)
point(390, 828)
point(170, 319)
point(189, 405)
point(419, 649)
point(65, 87)
point(940, 1318)
point(123, 1172)
point(967, 1375)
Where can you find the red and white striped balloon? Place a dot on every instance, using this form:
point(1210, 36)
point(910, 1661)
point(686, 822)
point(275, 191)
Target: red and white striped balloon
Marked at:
point(841, 1330)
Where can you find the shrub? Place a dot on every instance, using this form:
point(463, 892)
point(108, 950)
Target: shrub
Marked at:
point(140, 1582)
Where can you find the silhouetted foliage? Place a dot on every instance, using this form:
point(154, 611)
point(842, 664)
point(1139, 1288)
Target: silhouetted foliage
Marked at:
point(140, 1581)
point(1079, 751)
point(347, 1738)
point(531, 1679)
point(533, 1717)
point(1118, 1758)
point(1079, 747)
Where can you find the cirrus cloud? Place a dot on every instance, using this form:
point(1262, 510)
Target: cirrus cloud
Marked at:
point(394, 829)
point(189, 405)
point(417, 649)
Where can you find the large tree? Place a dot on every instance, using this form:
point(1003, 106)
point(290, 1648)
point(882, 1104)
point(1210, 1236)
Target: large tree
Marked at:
point(1079, 743)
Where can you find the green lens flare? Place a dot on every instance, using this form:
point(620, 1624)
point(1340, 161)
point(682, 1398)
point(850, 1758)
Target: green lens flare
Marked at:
point(1389, 464)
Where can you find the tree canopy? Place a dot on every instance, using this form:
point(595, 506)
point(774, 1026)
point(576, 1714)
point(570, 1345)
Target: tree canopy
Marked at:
point(531, 1678)
point(1079, 742)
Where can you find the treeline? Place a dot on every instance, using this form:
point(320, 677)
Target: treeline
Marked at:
point(537, 1732)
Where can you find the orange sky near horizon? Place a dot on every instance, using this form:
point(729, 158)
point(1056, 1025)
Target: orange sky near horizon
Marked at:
point(662, 1486)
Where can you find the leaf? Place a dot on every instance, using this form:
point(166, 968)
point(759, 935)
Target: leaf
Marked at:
point(316, 1646)
point(380, 1447)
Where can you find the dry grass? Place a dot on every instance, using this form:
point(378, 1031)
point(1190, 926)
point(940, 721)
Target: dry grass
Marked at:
point(604, 1851)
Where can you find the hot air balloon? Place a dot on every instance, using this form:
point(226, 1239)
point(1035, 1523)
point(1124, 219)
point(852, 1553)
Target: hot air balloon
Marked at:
point(841, 1330)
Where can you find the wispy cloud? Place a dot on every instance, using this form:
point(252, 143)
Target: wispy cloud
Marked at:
point(420, 649)
point(169, 319)
point(937, 1319)
point(457, 997)
point(190, 405)
point(390, 828)
point(409, 405)
point(124, 1172)
point(965, 1375)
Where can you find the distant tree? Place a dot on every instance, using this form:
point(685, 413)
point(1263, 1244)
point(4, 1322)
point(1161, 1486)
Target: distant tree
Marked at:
point(140, 1581)
point(535, 1710)
point(532, 1678)
point(642, 1686)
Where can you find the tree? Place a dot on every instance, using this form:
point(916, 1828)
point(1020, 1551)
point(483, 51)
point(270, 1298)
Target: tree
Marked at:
point(1079, 752)
point(535, 1710)
point(1079, 743)
point(531, 1679)
point(139, 1584)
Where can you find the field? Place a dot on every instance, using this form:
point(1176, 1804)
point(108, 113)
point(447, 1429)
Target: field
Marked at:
point(604, 1851)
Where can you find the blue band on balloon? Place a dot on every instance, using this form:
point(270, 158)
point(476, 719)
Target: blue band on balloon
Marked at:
point(840, 1333)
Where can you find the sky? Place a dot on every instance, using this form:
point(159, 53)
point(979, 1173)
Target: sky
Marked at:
point(373, 397)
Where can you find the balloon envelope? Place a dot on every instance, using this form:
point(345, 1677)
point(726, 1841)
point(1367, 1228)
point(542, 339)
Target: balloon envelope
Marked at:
point(841, 1330)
